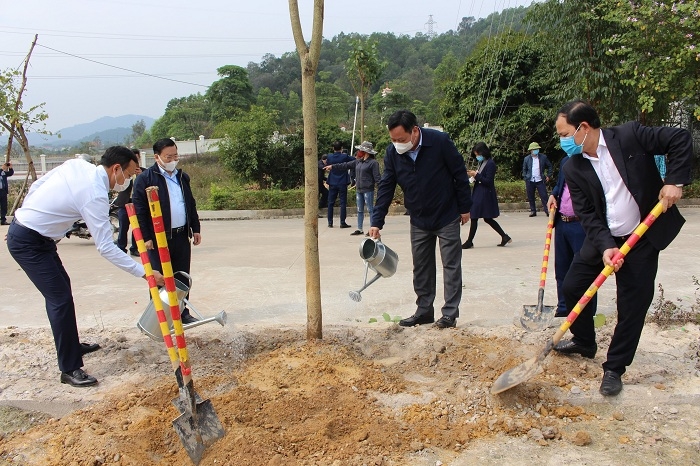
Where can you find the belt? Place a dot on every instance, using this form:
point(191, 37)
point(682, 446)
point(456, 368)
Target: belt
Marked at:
point(569, 218)
point(176, 231)
point(32, 231)
point(621, 239)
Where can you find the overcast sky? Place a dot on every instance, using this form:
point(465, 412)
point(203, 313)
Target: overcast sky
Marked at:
point(93, 57)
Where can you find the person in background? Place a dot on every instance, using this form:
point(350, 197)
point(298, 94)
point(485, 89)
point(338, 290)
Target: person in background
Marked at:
point(338, 182)
point(5, 171)
point(427, 166)
point(614, 184)
point(484, 198)
point(568, 239)
point(74, 190)
point(124, 198)
point(322, 190)
point(367, 176)
point(536, 171)
point(179, 210)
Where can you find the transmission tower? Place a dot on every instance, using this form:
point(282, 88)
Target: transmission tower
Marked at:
point(430, 24)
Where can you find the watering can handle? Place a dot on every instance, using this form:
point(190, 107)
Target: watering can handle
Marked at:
point(189, 279)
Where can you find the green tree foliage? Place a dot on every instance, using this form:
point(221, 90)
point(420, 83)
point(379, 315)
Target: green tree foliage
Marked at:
point(252, 149)
point(333, 103)
point(13, 112)
point(498, 98)
point(657, 51)
point(287, 108)
point(184, 118)
point(363, 68)
point(578, 29)
point(231, 94)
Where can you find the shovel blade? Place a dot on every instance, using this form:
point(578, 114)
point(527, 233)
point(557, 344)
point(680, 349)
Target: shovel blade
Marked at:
point(536, 317)
point(182, 405)
point(521, 373)
point(199, 431)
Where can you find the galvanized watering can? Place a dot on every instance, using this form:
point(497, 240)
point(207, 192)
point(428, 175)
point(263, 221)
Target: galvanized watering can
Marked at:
point(378, 257)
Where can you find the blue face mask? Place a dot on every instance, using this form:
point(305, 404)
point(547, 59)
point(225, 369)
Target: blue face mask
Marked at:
point(535, 151)
point(479, 158)
point(569, 146)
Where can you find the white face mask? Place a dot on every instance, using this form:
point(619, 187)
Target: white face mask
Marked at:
point(170, 166)
point(403, 147)
point(121, 187)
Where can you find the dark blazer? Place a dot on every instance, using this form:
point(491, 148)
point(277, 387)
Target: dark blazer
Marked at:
point(545, 167)
point(153, 177)
point(485, 201)
point(632, 147)
point(338, 178)
point(435, 186)
point(4, 174)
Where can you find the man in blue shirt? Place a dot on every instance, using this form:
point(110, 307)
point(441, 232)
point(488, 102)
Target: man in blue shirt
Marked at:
point(338, 182)
point(432, 175)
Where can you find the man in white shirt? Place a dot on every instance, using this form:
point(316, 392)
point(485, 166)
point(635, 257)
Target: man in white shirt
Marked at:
point(76, 189)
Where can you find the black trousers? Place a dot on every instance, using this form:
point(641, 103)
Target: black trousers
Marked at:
point(635, 292)
point(3, 205)
point(38, 257)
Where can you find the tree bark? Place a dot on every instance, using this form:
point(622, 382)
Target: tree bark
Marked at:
point(308, 57)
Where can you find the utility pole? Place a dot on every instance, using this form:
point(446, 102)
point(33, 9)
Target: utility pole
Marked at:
point(430, 24)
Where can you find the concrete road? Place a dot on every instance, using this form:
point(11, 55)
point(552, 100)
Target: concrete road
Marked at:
point(254, 269)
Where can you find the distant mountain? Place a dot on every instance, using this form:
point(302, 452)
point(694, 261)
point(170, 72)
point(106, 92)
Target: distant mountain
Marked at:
point(110, 130)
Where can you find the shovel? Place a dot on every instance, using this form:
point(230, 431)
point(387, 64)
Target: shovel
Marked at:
point(197, 426)
point(538, 316)
point(529, 368)
point(163, 323)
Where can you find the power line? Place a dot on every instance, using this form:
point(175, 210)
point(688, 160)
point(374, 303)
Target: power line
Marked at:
point(122, 68)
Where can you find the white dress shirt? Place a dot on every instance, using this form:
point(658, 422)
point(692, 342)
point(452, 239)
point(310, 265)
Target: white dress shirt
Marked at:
point(72, 191)
point(178, 216)
point(536, 175)
point(621, 209)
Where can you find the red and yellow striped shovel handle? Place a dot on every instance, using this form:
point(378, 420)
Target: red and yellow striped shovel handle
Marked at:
point(547, 244)
point(169, 278)
point(152, 285)
point(608, 270)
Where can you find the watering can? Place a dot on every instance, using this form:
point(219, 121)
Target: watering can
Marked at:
point(378, 257)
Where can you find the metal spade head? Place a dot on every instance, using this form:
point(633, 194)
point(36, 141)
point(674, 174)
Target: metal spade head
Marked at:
point(536, 317)
point(355, 296)
point(198, 431)
point(521, 373)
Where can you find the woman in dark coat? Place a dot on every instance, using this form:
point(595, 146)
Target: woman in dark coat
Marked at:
point(484, 200)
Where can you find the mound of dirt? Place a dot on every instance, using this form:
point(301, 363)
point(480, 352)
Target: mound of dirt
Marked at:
point(366, 394)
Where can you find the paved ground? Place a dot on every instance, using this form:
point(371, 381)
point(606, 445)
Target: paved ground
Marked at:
point(254, 269)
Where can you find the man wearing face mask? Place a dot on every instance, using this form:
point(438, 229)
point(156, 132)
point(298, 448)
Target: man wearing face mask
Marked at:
point(614, 184)
point(76, 189)
point(179, 210)
point(536, 170)
point(432, 175)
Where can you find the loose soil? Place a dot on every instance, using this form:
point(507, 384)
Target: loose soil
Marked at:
point(367, 394)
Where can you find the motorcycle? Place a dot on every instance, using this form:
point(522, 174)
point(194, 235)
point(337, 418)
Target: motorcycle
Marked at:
point(80, 228)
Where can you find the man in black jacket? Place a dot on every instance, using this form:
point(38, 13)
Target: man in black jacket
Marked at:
point(614, 184)
point(432, 175)
point(179, 209)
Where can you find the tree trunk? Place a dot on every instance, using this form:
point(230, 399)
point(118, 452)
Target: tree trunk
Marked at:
point(309, 57)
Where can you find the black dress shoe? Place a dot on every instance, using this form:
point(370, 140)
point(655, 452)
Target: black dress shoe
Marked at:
point(467, 245)
point(569, 347)
point(188, 319)
point(563, 313)
point(78, 378)
point(533, 214)
point(86, 348)
point(330, 225)
point(356, 233)
point(4, 223)
point(505, 240)
point(446, 322)
point(416, 320)
point(611, 385)
point(345, 225)
point(134, 252)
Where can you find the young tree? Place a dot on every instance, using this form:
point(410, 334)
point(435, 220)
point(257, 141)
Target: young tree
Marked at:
point(308, 56)
point(231, 94)
point(363, 68)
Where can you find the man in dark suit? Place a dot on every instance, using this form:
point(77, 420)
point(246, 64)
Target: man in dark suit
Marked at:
point(5, 171)
point(614, 184)
point(536, 171)
point(432, 175)
point(338, 184)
